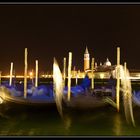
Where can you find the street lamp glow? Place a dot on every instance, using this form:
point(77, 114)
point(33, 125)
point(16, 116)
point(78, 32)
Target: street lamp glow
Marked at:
point(31, 74)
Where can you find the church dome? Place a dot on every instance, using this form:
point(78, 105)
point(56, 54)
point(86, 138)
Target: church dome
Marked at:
point(107, 63)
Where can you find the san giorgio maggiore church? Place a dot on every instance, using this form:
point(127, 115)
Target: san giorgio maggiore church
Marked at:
point(87, 67)
point(87, 61)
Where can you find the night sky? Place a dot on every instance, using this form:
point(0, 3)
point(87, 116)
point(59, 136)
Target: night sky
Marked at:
point(54, 30)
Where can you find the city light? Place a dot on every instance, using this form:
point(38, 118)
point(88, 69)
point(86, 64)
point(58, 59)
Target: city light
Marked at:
point(31, 74)
point(101, 75)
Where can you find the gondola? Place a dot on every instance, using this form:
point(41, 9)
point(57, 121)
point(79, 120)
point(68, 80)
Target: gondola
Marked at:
point(10, 95)
point(89, 99)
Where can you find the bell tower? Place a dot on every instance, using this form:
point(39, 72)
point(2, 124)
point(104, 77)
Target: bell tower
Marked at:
point(86, 59)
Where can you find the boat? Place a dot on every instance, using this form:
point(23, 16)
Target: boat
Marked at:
point(41, 96)
point(35, 96)
point(89, 99)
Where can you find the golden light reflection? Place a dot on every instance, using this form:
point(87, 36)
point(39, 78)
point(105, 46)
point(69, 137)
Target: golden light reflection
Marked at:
point(67, 122)
point(117, 125)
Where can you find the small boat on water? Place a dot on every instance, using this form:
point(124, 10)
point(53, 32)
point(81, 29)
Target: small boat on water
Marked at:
point(44, 95)
point(35, 96)
point(90, 99)
point(87, 102)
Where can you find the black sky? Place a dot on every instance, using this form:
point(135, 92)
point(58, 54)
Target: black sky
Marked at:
point(54, 30)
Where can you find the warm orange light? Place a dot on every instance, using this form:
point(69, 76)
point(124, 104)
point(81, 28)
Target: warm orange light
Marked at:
point(31, 74)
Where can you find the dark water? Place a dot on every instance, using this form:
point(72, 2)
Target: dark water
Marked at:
point(21, 120)
point(45, 121)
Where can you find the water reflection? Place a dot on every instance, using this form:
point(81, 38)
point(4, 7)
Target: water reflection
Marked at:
point(44, 121)
point(67, 120)
point(117, 129)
